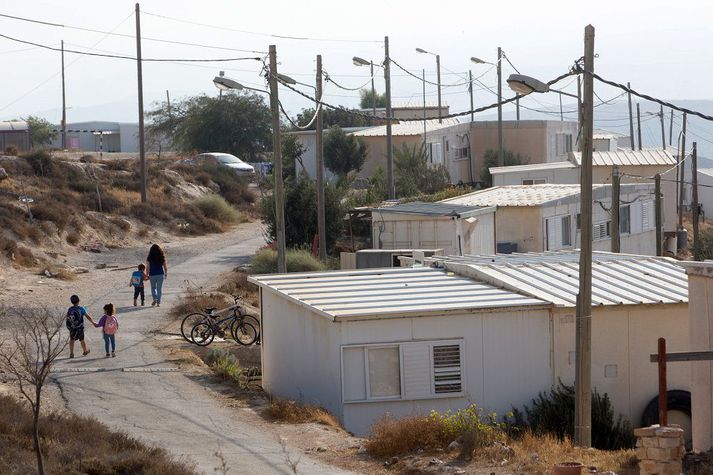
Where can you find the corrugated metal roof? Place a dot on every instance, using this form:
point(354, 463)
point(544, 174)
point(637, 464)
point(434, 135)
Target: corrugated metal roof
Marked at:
point(517, 195)
point(706, 171)
point(624, 157)
point(534, 167)
point(383, 293)
point(13, 126)
point(607, 134)
point(431, 209)
point(406, 128)
point(617, 279)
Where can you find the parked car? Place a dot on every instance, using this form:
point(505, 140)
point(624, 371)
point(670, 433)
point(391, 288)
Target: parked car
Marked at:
point(228, 160)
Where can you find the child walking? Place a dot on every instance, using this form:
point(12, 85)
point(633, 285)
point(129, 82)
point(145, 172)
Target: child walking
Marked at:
point(137, 282)
point(75, 325)
point(109, 325)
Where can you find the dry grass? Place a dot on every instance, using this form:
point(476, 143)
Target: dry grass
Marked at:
point(391, 436)
point(198, 302)
point(75, 444)
point(236, 283)
point(292, 412)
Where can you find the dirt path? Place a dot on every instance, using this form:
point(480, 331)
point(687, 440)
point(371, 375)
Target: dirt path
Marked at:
point(141, 393)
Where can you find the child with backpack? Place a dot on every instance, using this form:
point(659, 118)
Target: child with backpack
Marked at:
point(109, 325)
point(75, 325)
point(137, 282)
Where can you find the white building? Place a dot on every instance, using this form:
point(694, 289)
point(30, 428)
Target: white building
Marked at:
point(455, 229)
point(96, 136)
point(494, 331)
point(536, 218)
point(705, 191)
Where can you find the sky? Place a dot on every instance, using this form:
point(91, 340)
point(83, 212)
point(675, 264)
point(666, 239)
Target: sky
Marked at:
point(663, 49)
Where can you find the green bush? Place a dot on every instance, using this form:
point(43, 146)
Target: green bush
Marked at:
point(224, 364)
point(215, 207)
point(413, 175)
point(297, 260)
point(553, 413)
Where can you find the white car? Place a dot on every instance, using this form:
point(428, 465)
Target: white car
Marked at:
point(230, 161)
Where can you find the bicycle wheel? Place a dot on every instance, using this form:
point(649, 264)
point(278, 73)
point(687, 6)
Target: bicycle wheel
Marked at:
point(243, 332)
point(189, 321)
point(202, 334)
point(251, 320)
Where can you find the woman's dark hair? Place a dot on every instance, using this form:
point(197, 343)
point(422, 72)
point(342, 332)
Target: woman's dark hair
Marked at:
point(109, 309)
point(156, 254)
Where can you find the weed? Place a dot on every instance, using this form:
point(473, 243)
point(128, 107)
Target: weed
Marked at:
point(215, 207)
point(73, 238)
point(224, 364)
point(237, 283)
point(292, 412)
point(297, 260)
point(391, 436)
point(198, 302)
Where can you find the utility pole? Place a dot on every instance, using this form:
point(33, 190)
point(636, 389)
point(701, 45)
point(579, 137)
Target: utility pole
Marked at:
point(64, 106)
point(373, 90)
point(663, 131)
point(615, 210)
point(670, 129)
point(583, 321)
point(423, 84)
point(501, 156)
point(638, 124)
point(517, 108)
point(579, 112)
point(391, 192)
point(139, 76)
point(168, 103)
point(470, 90)
point(681, 173)
point(658, 215)
point(321, 219)
point(277, 158)
point(438, 75)
point(694, 204)
point(631, 116)
point(561, 113)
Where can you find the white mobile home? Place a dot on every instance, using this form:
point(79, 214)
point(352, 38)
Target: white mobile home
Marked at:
point(456, 229)
point(537, 218)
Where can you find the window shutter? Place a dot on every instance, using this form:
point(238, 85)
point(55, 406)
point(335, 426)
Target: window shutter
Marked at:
point(416, 370)
point(645, 215)
point(447, 376)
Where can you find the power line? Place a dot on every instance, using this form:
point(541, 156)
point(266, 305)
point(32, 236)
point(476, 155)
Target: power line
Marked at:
point(269, 35)
point(122, 35)
point(116, 56)
point(426, 80)
point(328, 78)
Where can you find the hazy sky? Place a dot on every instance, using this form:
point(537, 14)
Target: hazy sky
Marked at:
point(663, 48)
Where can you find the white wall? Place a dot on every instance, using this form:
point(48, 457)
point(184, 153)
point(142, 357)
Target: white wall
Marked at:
point(506, 358)
point(625, 336)
point(705, 193)
point(561, 175)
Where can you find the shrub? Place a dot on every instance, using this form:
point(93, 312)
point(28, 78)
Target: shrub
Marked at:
point(413, 175)
point(51, 211)
point(215, 207)
point(490, 159)
point(198, 302)
point(11, 150)
point(553, 413)
point(237, 284)
point(292, 412)
point(224, 364)
point(73, 238)
point(88, 159)
point(391, 436)
point(297, 260)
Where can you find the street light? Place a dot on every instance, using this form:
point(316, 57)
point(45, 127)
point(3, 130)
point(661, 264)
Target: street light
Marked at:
point(497, 64)
point(479, 61)
point(362, 62)
point(438, 72)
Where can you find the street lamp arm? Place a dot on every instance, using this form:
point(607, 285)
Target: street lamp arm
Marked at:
point(562, 93)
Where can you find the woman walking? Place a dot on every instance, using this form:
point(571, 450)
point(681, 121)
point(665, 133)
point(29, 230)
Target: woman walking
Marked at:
point(158, 271)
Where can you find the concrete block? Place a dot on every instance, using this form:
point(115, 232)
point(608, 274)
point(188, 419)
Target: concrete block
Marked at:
point(668, 432)
point(663, 455)
point(650, 441)
point(666, 442)
point(646, 431)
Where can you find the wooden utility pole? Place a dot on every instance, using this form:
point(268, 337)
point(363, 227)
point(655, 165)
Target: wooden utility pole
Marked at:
point(631, 117)
point(373, 89)
point(615, 194)
point(321, 219)
point(694, 203)
point(583, 321)
point(663, 130)
point(64, 106)
point(638, 124)
point(561, 112)
point(277, 158)
point(438, 73)
point(423, 85)
point(390, 190)
point(470, 91)
point(579, 112)
point(517, 108)
point(139, 77)
point(168, 103)
point(681, 173)
point(501, 153)
point(658, 215)
point(670, 129)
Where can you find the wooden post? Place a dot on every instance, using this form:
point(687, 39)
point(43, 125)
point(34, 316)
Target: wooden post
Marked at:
point(501, 159)
point(390, 189)
point(631, 117)
point(663, 399)
point(658, 215)
point(64, 106)
point(681, 173)
point(615, 193)
point(277, 158)
point(319, 150)
point(139, 76)
point(663, 130)
point(694, 204)
point(638, 124)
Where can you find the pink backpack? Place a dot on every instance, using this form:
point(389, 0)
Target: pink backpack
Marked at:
point(111, 325)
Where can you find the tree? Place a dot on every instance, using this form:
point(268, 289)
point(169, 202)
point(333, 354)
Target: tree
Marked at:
point(301, 212)
point(237, 123)
point(331, 117)
point(28, 356)
point(490, 159)
point(369, 99)
point(292, 151)
point(343, 153)
point(412, 175)
point(41, 131)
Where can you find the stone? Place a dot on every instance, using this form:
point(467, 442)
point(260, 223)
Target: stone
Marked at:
point(101, 265)
point(647, 467)
point(669, 432)
point(641, 453)
point(660, 454)
point(666, 442)
point(321, 449)
point(453, 445)
point(649, 442)
point(3, 174)
point(435, 461)
point(669, 468)
point(646, 431)
point(361, 450)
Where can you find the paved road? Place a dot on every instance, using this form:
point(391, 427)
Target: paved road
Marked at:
point(166, 408)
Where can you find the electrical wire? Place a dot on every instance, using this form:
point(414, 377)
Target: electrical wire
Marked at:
point(116, 56)
point(123, 35)
point(248, 32)
point(426, 80)
point(328, 78)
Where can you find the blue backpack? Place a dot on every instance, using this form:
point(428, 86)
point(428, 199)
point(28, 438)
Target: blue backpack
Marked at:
point(74, 318)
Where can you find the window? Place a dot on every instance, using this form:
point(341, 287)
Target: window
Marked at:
point(402, 371)
point(601, 230)
point(558, 232)
point(566, 231)
point(434, 151)
point(564, 143)
point(459, 153)
point(625, 219)
point(646, 211)
point(534, 181)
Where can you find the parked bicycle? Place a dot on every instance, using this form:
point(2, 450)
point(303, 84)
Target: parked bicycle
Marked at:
point(202, 327)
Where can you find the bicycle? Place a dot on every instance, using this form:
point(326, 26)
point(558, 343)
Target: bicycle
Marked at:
point(244, 328)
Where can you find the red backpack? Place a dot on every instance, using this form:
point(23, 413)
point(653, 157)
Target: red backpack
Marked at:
point(111, 325)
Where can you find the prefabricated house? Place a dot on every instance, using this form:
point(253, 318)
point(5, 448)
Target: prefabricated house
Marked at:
point(635, 166)
point(457, 229)
point(705, 191)
point(537, 218)
point(496, 332)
